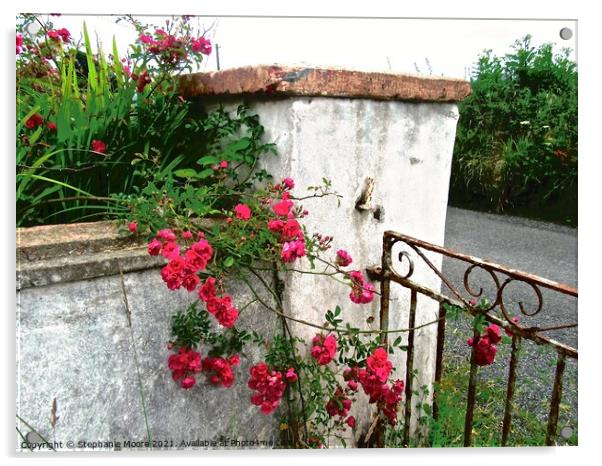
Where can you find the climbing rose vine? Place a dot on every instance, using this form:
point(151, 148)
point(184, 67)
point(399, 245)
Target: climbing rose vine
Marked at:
point(329, 372)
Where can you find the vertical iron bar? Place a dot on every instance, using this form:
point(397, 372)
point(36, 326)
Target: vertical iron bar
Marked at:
point(510, 389)
point(472, 388)
point(217, 56)
point(439, 359)
point(555, 401)
point(410, 368)
point(385, 286)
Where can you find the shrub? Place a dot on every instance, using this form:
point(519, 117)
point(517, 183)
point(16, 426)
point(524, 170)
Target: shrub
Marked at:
point(89, 125)
point(516, 144)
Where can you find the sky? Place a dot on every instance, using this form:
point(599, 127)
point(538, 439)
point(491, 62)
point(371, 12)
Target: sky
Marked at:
point(424, 46)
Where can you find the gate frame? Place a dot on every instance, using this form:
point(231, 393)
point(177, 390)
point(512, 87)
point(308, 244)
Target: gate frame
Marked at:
point(386, 274)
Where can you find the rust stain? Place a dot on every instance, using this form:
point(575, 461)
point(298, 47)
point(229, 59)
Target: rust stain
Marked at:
point(299, 81)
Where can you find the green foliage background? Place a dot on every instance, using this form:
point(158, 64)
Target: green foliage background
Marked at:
point(516, 143)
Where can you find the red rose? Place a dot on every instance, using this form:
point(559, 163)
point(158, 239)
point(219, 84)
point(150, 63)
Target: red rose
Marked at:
point(99, 146)
point(484, 352)
point(34, 121)
point(494, 333)
point(201, 45)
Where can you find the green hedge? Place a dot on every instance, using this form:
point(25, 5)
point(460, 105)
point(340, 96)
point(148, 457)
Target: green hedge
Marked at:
point(516, 143)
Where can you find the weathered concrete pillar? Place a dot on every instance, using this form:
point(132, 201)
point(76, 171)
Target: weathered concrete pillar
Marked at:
point(393, 131)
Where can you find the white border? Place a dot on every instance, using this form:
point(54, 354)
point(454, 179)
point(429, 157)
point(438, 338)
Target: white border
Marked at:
point(589, 171)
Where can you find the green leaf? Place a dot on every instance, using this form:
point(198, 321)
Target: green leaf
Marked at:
point(229, 262)
point(205, 173)
point(92, 79)
point(208, 160)
point(186, 173)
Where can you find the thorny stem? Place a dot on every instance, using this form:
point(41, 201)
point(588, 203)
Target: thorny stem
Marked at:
point(338, 269)
point(309, 272)
point(246, 306)
point(315, 196)
point(331, 329)
point(277, 295)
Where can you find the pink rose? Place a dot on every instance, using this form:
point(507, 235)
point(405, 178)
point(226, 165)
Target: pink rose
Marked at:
point(275, 225)
point(170, 250)
point(324, 349)
point(494, 333)
point(283, 207)
point(291, 376)
point(188, 382)
point(343, 258)
point(154, 247)
point(242, 211)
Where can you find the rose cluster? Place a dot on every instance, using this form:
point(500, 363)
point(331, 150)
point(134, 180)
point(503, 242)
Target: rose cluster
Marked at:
point(141, 79)
point(170, 49)
point(269, 386)
point(181, 270)
point(339, 404)
point(184, 365)
point(19, 43)
point(219, 370)
point(362, 291)
point(324, 348)
point(291, 235)
point(485, 345)
point(219, 306)
point(373, 380)
point(59, 34)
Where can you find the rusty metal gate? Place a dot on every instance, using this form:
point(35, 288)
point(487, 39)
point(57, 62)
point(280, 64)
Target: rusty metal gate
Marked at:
point(411, 249)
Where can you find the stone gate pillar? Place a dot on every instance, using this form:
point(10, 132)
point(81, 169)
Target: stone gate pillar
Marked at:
point(394, 132)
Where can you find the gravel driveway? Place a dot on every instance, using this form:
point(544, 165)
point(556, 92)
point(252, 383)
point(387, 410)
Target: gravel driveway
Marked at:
point(539, 248)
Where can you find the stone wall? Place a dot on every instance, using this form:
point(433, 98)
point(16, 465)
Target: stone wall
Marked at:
point(77, 344)
point(74, 343)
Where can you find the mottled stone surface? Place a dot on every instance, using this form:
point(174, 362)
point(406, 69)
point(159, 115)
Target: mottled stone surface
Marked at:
point(61, 253)
point(74, 344)
point(277, 81)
